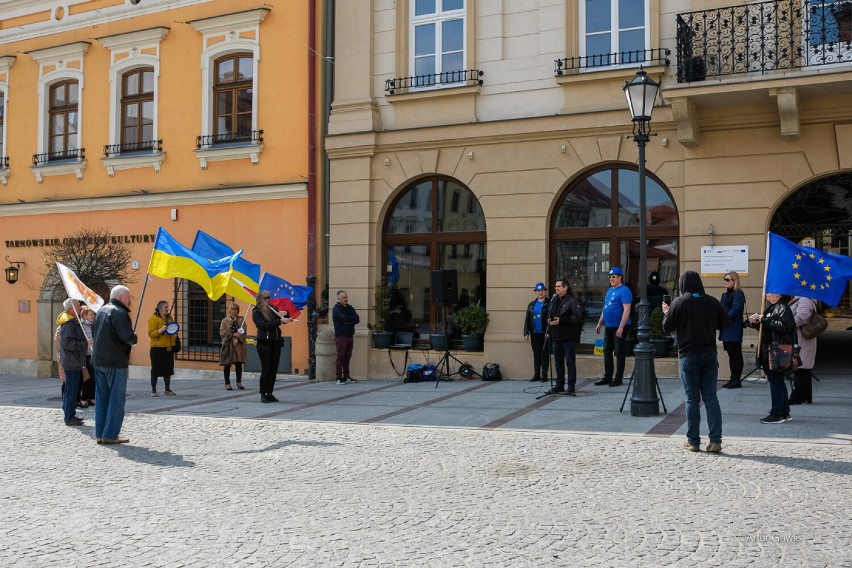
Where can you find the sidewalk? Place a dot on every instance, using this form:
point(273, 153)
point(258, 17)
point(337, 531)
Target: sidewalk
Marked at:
point(505, 405)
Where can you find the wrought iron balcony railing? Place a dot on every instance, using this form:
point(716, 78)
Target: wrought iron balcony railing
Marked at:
point(245, 137)
point(763, 37)
point(657, 56)
point(4, 162)
point(132, 147)
point(455, 78)
point(64, 155)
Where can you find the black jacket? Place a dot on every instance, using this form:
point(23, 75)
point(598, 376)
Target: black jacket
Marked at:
point(112, 336)
point(268, 330)
point(529, 324)
point(695, 316)
point(73, 345)
point(566, 309)
point(778, 325)
point(345, 319)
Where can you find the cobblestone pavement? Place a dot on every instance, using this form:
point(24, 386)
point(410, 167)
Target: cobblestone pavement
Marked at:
point(199, 491)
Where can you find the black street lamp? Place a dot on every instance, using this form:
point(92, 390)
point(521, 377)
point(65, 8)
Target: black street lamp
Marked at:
point(641, 93)
point(12, 272)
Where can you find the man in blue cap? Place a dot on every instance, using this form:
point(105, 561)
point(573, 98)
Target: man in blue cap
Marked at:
point(615, 318)
point(535, 331)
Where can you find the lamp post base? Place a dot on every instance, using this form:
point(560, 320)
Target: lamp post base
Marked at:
point(644, 401)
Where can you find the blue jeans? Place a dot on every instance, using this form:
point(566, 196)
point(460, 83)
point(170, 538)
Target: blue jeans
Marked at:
point(777, 392)
point(110, 396)
point(698, 373)
point(69, 395)
point(564, 352)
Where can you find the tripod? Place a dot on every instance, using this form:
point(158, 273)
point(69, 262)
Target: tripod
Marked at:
point(656, 382)
point(442, 369)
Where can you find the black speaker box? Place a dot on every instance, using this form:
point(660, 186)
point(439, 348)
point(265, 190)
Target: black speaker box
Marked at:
point(445, 286)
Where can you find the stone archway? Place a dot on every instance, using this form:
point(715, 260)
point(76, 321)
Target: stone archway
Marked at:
point(48, 308)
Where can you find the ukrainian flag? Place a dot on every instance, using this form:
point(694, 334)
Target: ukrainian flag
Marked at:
point(243, 284)
point(170, 259)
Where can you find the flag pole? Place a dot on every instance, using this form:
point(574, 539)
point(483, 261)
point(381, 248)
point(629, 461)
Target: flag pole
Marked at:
point(139, 306)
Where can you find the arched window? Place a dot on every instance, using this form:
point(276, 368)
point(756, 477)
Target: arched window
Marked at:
point(435, 224)
point(232, 97)
point(137, 109)
point(596, 226)
point(63, 116)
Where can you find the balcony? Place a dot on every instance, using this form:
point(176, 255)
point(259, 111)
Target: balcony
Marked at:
point(133, 155)
point(762, 38)
point(59, 163)
point(739, 56)
point(4, 170)
point(462, 78)
point(229, 146)
point(605, 61)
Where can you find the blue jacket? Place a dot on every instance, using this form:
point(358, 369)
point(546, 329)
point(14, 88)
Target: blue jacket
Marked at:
point(345, 319)
point(734, 303)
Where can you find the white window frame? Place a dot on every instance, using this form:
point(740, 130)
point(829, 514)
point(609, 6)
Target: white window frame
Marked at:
point(128, 52)
point(613, 31)
point(225, 35)
point(438, 18)
point(6, 63)
point(61, 63)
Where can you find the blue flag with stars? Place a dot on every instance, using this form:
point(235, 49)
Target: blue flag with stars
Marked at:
point(804, 271)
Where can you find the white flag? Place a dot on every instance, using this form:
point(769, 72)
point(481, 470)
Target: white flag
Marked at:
point(77, 290)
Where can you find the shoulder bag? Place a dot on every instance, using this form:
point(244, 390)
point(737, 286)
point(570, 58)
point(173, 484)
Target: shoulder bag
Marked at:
point(783, 357)
point(815, 326)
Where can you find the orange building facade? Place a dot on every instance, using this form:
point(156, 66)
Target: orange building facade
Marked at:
point(128, 116)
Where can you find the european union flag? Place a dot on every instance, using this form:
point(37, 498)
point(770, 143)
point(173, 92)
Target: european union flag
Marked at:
point(804, 271)
point(283, 295)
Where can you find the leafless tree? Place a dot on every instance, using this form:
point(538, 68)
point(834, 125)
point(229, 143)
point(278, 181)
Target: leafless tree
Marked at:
point(98, 259)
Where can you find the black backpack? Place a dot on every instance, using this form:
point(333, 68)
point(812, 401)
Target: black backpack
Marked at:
point(491, 372)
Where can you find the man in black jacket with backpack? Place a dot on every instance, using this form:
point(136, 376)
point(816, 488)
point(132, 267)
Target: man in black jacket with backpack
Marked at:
point(564, 327)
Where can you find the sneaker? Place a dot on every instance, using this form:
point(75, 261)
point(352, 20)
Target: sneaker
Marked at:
point(264, 398)
point(271, 398)
point(772, 419)
point(171, 393)
point(570, 391)
point(75, 422)
point(691, 447)
point(341, 381)
point(153, 394)
point(118, 440)
point(616, 383)
point(351, 380)
point(535, 379)
point(554, 390)
point(714, 447)
point(603, 381)
point(788, 418)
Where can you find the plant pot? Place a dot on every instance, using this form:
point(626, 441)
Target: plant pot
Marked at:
point(382, 339)
point(473, 342)
point(661, 346)
point(439, 341)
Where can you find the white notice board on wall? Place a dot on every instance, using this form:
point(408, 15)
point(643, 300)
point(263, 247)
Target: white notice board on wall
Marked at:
point(718, 260)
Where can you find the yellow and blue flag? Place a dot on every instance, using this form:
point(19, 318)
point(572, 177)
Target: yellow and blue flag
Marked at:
point(804, 271)
point(170, 259)
point(243, 284)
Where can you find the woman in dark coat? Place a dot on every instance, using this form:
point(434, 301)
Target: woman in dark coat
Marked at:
point(733, 300)
point(268, 321)
point(777, 325)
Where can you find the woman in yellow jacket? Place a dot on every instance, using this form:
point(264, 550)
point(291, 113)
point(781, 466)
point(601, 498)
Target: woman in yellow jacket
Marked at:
point(162, 348)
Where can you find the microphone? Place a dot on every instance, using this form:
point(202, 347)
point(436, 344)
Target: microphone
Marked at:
point(554, 298)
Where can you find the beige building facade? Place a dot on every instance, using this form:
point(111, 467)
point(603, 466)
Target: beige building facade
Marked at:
point(526, 162)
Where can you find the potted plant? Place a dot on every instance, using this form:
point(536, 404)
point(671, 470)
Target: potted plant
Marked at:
point(659, 339)
point(472, 321)
point(438, 337)
point(384, 310)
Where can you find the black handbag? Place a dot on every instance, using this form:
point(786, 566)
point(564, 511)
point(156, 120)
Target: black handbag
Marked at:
point(176, 346)
point(783, 357)
point(491, 372)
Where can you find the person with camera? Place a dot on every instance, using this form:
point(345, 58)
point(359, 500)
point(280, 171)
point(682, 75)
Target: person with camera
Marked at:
point(564, 327)
point(162, 348)
point(535, 331)
point(233, 351)
point(696, 317)
point(777, 326)
point(269, 342)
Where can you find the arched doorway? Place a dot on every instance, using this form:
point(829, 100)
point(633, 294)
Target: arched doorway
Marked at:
point(596, 226)
point(819, 212)
point(436, 223)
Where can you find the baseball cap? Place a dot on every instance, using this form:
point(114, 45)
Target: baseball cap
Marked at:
point(540, 286)
point(616, 270)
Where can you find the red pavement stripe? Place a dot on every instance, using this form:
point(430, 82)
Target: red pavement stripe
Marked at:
point(673, 421)
point(336, 399)
point(526, 410)
point(423, 404)
point(219, 399)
